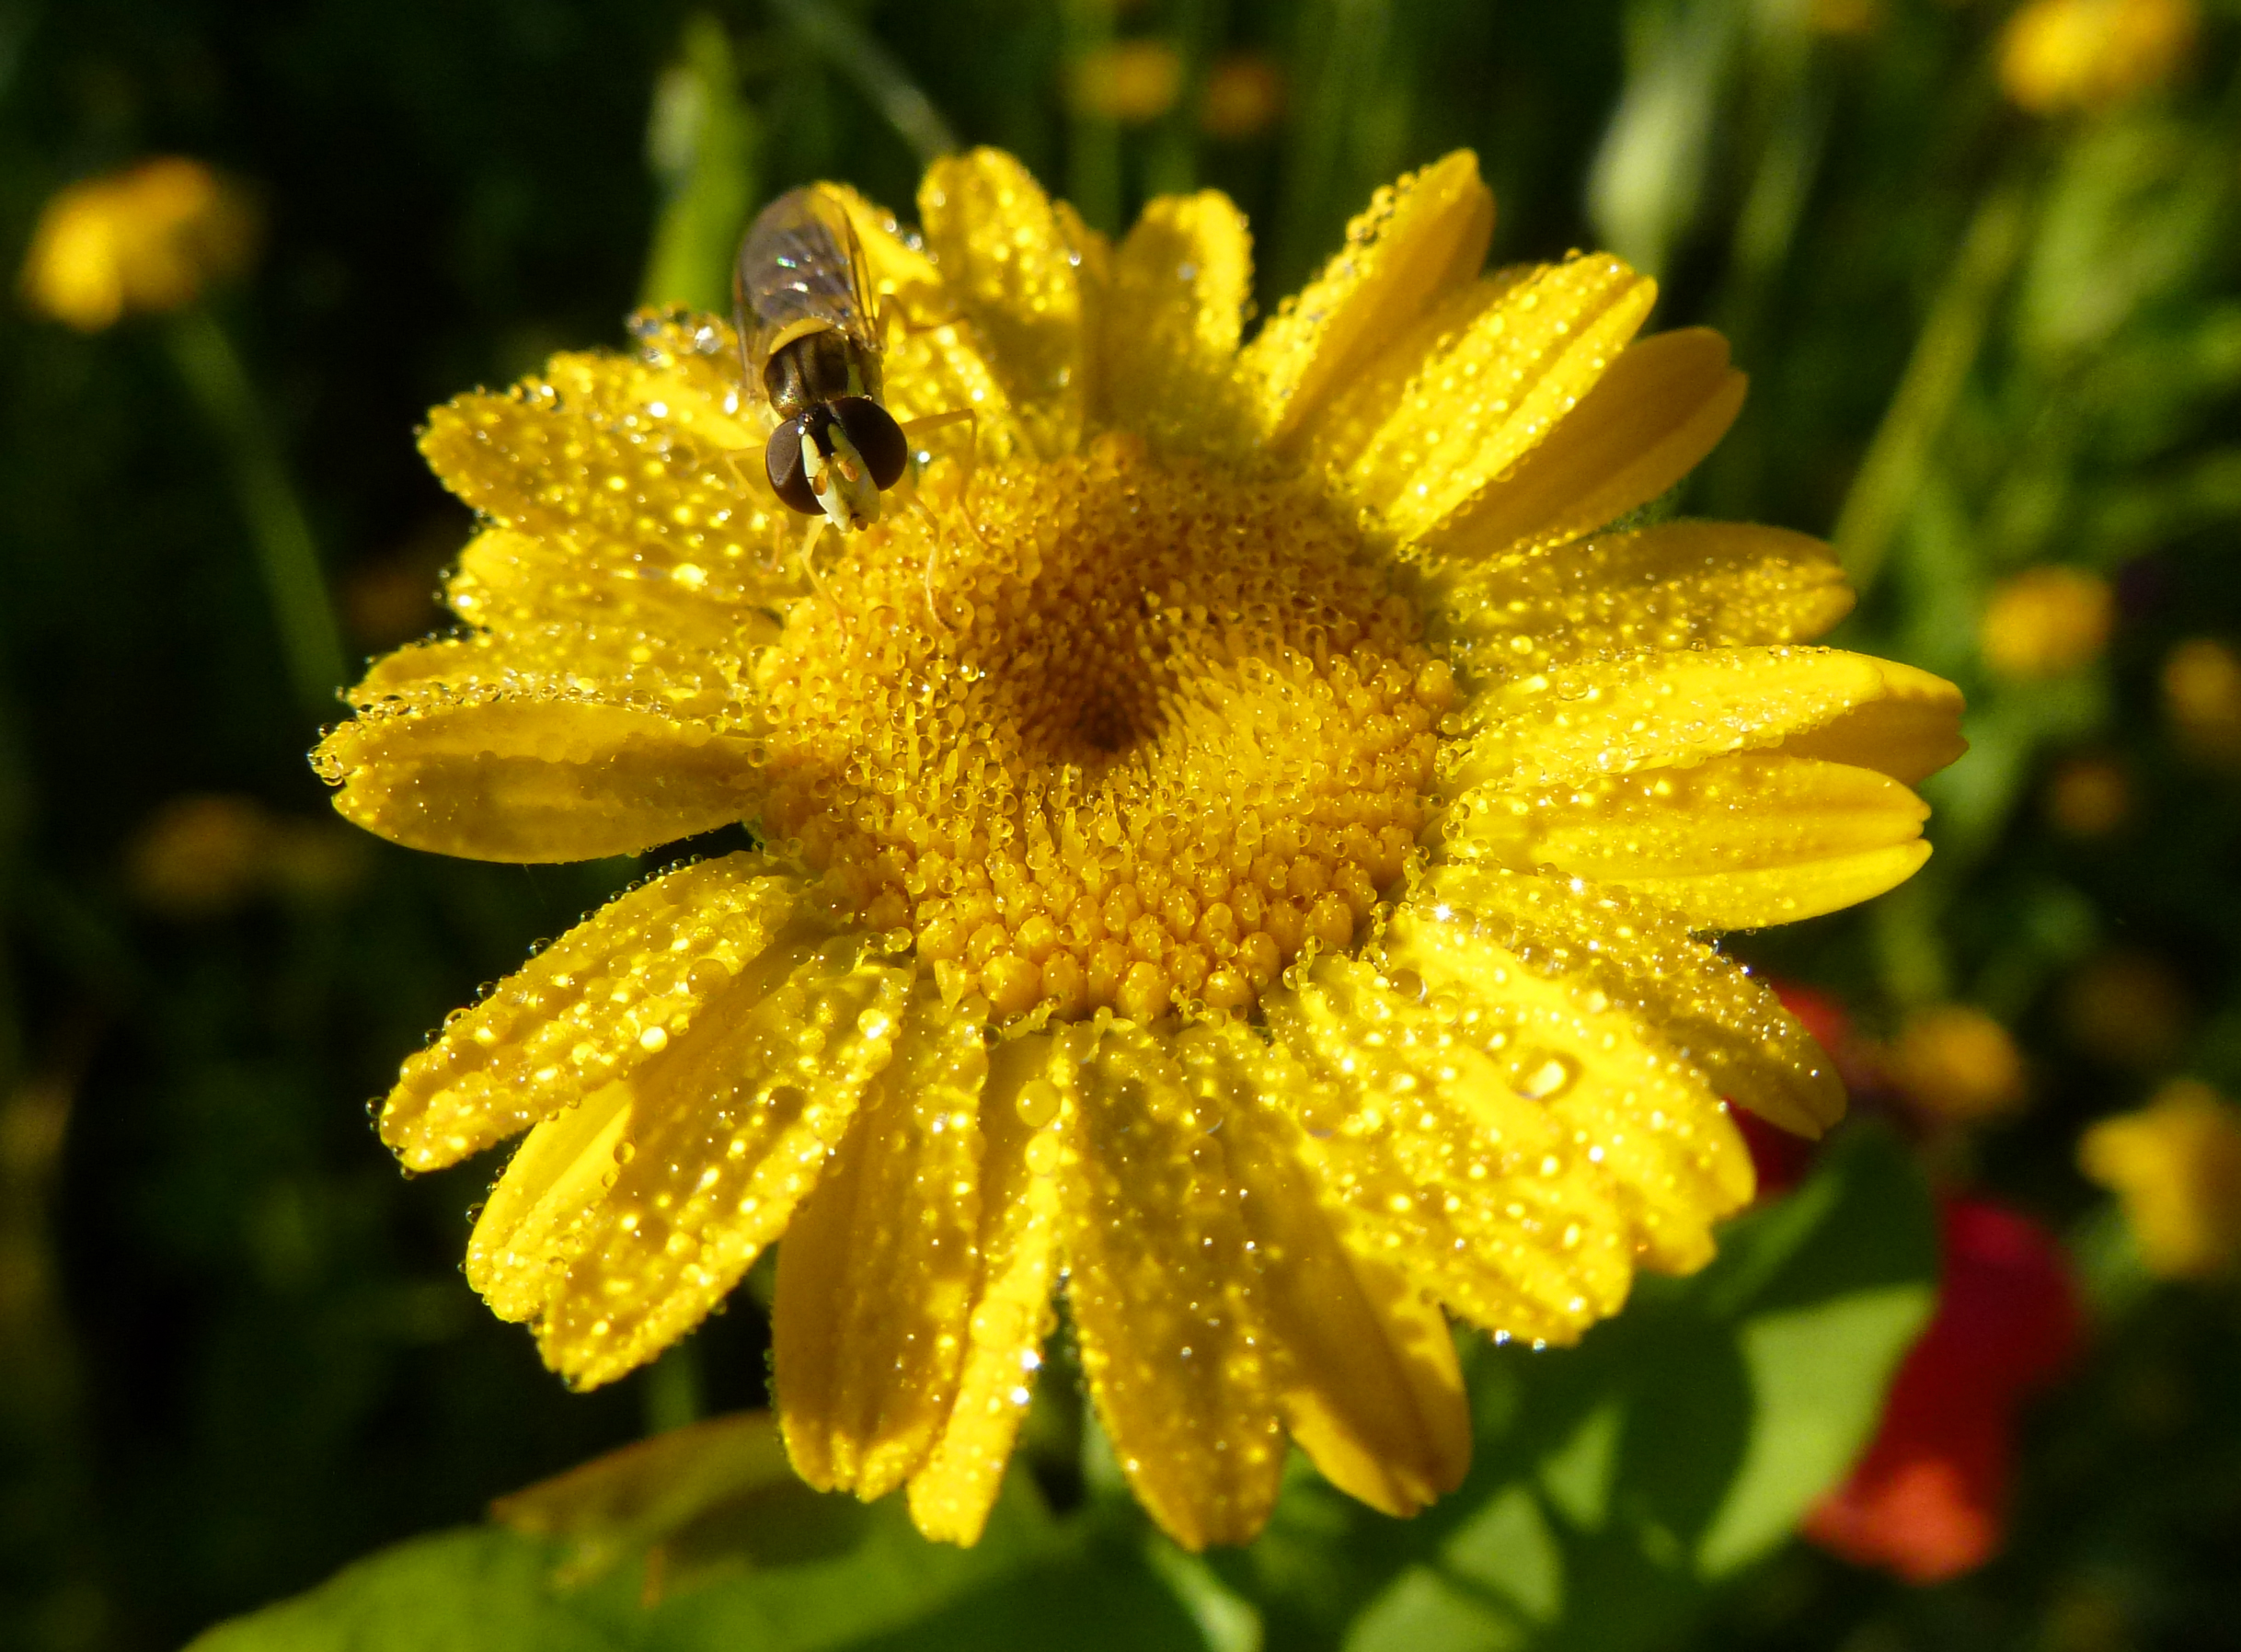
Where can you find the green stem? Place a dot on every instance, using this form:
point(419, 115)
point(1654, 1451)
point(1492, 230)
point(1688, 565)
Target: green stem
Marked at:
point(1093, 141)
point(702, 143)
point(851, 49)
point(1171, 163)
point(286, 554)
point(1935, 372)
point(1339, 48)
point(674, 1393)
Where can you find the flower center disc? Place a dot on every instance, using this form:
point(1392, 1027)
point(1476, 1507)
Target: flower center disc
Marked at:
point(1136, 744)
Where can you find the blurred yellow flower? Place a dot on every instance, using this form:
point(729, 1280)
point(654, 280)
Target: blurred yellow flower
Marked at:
point(149, 239)
point(1237, 863)
point(2201, 694)
point(1245, 95)
point(207, 853)
point(1957, 1063)
point(2128, 1008)
point(1129, 81)
point(2046, 622)
point(2088, 796)
point(1850, 18)
point(2175, 1167)
point(199, 855)
point(2063, 55)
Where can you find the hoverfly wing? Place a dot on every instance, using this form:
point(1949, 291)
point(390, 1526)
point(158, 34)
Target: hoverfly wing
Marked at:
point(802, 261)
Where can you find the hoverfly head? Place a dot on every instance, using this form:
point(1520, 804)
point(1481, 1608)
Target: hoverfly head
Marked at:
point(836, 459)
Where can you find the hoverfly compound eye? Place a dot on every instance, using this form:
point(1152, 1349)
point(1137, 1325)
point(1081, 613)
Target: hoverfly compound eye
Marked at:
point(874, 433)
point(782, 462)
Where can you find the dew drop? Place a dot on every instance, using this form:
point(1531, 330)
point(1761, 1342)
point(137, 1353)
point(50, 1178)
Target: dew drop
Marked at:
point(1038, 1103)
point(1546, 1077)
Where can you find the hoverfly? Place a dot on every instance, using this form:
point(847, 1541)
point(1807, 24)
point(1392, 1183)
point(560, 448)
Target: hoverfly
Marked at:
point(808, 330)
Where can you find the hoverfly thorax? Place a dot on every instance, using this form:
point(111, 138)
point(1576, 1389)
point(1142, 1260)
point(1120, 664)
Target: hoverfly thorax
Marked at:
point(807, 330)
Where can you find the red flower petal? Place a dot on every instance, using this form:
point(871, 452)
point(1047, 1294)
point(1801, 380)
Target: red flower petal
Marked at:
point(1926, 1502)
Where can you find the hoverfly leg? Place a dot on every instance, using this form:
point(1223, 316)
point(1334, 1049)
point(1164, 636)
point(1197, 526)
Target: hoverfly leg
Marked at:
point(970, 419)
point(911, 430)
point(888, 317)
point(915, 427)
point(933, 557)
point(809, 544)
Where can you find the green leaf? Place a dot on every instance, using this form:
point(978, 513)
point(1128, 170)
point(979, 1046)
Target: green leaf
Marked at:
point(490, 1589)
point(695, 1502)
point(701, 141)
point(2133, 213)
point(476, 1590)
point(1618, 1482)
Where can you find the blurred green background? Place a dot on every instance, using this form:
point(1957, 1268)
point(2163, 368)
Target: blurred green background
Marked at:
point(1993, 328)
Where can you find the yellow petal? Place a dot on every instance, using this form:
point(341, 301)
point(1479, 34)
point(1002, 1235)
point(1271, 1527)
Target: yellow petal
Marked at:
point(897, 272)
point(614, 991)
point(1746, 840)
point(1162, 1290)
point(1181, 285)
point(632, 465)
point(490, 764)
point(1661, 406)
point(543, 1208)
point(567, 612)
point(934, 362)
point(1771, 895)
point(1647, 963)
point(1661, 709)
point(1910, 731)
point(1359, 410)
point(1678, 585)
point(2175, 1166)
point(728, 1134)
point(1443, 1168)
point(1368, 1382)
point(1010, 1313)
point(1011, 266)
point(1489, 393)
point(877, 1274)
point(549, 1204)
point(1422, 237)
point(1093, 268)
point(1619, 1098)
point(639, 661)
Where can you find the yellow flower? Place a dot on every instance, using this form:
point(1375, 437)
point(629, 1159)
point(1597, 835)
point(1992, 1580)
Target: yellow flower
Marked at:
point(2089, 795)
point(2175, 1166)
point(1244, 864)
point(207, 853)
point(1245, 97)
point(2046, 622)
point(149, 239)
point(1958, 1064)
point(1845, 17)
point(2202, 693)
point(1129, 81)
point(2059, 55)
point(2128, 1008)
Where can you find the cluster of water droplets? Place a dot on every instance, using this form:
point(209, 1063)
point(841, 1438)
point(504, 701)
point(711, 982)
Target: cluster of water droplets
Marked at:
point(584, 1011)
point(1682, 585)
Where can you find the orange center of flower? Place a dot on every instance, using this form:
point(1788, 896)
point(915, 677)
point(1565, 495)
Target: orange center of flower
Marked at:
point(1150, 732)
